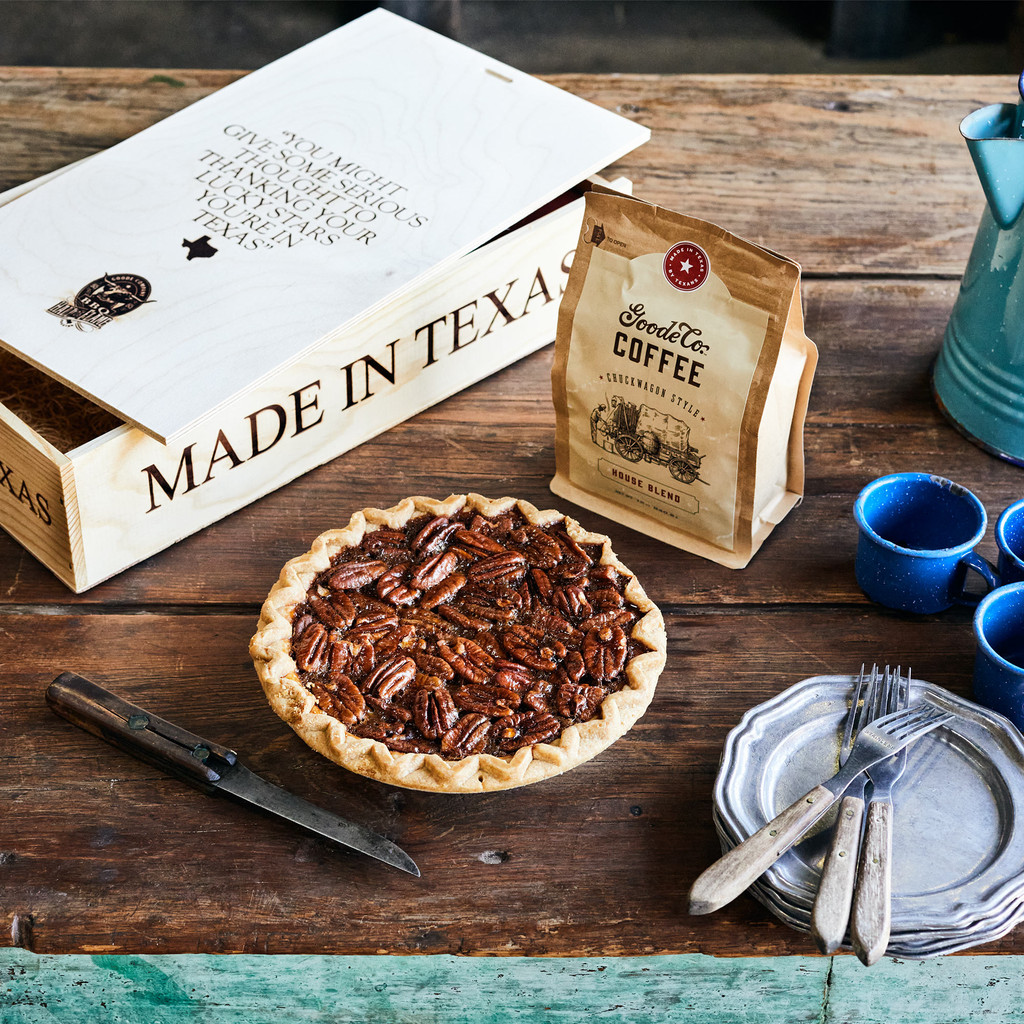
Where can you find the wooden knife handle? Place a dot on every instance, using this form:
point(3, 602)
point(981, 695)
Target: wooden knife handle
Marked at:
point(872, 903)
point(831, 913)
point(744, 864)
point(127, 727)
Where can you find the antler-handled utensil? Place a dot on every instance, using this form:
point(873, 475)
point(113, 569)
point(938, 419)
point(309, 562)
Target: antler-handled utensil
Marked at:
point(831, 913)
point(872, 903)
point(732, 873)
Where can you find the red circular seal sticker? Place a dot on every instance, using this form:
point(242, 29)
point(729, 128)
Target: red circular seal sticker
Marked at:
point(686, 266)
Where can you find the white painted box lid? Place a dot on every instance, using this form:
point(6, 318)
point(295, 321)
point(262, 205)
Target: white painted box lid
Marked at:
point(175, 270)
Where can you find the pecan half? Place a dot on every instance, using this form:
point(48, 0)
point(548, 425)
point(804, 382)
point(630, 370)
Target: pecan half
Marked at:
point(507, 568)
point(529, 645)
point(514, 676)
point(341, 654)
point(364, 657)
point(541, 549)
point(399, 638)
point(571, 601)
point(549, 621)
point(390, 678)
point(579, 701)
point(604, 651)
point(489, 642)
point(572, 669)
point(493, 701)
point(543, 583)
point(353, 575)
point(499, 609)
point(336, 611)
point(434, 535)
point(479, 543)
point(463, 619)
point(393, 715)
point(427, 623)
point(340, 697)
point(469, 659)
point(435, 712)
point(525, 729)
point(372, 625)
point(302, 621)
point(383, 729)
point(444, 591)
point(434, 570)
point(605, 599)
point(539, 698)
point(392, 588)
point(467, 736)
point(612, 617)
point(603, 573)
point(313, 649)
point(383, 539)
point(433, 666)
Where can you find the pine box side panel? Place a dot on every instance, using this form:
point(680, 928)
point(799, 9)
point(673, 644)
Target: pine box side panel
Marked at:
point(37, 498)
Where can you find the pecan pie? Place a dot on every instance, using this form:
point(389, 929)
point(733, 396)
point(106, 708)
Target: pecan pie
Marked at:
point(460, 645)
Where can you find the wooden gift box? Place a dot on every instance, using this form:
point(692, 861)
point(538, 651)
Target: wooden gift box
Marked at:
point(273, 275)
point(89, 495)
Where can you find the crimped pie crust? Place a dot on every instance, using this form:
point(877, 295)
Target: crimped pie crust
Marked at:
point(271, 650)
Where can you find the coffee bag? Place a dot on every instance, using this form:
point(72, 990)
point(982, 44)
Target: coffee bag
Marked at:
point(681, 379)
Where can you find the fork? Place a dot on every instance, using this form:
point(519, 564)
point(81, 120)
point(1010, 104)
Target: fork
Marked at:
point(872, 904)
point(732, 873)
point(835, 891)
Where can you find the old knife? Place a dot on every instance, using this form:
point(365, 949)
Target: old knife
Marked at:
point(205, 765)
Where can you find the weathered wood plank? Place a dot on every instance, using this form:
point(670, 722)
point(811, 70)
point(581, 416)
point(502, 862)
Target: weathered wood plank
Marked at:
point(864, 174)
point(871, 412)
point(441, 989)
point(694, 989)
point(101, 853)
point(847, 176)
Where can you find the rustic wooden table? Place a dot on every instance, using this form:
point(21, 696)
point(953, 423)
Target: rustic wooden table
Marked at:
point(107, 866)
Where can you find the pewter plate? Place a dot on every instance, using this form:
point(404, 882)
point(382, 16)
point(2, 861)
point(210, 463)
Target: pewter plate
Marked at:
point(958, 837)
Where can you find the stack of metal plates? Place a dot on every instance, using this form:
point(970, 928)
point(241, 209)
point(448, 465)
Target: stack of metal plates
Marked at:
point(958, 833)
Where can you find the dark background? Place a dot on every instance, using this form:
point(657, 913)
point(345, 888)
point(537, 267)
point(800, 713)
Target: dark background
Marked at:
point(539, 36)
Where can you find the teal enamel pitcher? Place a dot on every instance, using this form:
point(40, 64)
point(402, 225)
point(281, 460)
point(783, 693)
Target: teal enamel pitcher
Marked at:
point(978, 378)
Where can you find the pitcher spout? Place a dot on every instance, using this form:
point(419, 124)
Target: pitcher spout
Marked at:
point(994, 139)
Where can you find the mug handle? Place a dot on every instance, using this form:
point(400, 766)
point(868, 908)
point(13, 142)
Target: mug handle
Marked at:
point(984, 569)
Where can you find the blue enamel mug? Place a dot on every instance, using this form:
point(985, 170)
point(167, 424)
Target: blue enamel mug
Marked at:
point(918, 532)
point(999, 663)
point(1010, 539)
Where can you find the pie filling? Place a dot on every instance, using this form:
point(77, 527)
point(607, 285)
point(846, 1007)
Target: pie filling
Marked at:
point(465, 634)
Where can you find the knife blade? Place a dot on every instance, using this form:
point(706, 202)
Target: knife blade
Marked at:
point(211, 767)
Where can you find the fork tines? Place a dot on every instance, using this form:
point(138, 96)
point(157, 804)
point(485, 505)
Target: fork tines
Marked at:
point(904, 723)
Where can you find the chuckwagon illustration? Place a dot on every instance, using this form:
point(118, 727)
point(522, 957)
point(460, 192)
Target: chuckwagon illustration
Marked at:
point(642, 434)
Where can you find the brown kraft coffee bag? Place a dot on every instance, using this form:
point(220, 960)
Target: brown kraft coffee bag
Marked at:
point(681, 379)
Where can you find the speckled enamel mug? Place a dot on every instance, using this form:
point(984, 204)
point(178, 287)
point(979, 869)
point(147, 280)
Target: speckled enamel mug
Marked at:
point(999, 663)
point(918, 532)
point(1010, 540)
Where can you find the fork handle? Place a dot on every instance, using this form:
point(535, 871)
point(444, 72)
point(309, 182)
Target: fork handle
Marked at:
point(744, 864)
point(831, 912)
point(872, 910)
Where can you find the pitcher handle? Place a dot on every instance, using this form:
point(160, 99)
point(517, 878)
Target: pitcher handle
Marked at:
point(984, 569)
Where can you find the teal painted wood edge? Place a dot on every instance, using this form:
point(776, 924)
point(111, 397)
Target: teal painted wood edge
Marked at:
point(207, 989)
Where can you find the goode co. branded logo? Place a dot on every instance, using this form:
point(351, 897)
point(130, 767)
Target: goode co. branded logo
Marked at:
point(686, 266)
point(101, 300)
